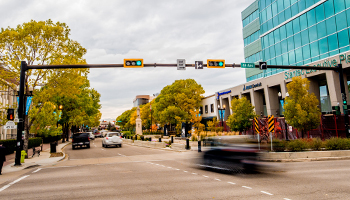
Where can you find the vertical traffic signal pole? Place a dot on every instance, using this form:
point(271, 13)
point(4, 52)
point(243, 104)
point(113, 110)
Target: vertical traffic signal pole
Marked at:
point(343, 94)
point(20, 124)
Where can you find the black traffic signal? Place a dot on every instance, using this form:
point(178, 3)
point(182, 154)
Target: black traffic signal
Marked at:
point(336, 110)
point(215, 63)
point(10, 114)
point(262, 65)
point(133, 62)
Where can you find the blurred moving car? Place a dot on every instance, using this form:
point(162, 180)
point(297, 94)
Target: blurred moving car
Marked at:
point(92, 136)
point(231, 153)
point(100, 133)
point(81, 139)
point(112, 138)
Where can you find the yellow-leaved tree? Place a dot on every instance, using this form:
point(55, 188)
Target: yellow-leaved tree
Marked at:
point(301, 107)
point(38, 43)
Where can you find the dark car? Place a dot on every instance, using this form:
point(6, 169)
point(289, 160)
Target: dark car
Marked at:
point(81, 140)
point(231, 154)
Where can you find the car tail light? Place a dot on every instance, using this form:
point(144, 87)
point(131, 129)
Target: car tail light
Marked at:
point(106, 138)
point(120, 136)
point(72, 140)
point(89, 138)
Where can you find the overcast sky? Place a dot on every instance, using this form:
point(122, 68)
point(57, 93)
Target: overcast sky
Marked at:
point(159, 31)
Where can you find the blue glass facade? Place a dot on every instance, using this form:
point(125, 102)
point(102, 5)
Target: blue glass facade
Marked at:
point(298, 32)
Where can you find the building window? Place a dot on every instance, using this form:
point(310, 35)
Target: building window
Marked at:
point(206, 108)
point(211, 108)
point(325, 99)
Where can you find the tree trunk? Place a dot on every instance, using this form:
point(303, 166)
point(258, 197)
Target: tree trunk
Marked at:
point(63, 132)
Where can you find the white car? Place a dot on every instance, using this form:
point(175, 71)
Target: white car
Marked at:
point(92, 136)
point(112, 138)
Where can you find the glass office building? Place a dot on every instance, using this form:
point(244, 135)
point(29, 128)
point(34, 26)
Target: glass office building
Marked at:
point(294, 32)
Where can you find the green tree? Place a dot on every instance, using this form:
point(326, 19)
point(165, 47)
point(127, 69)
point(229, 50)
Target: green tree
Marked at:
point(242, 113)
point(123, 120)
point(37, 43)
point(301, 108)
point(176, 101)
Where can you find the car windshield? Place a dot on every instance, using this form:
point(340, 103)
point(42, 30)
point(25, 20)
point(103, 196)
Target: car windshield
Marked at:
point(113, 134)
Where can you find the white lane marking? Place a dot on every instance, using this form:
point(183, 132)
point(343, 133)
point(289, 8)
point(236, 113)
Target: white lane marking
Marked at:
point(169, 167)
point(286, 199)
point(177, 169)
point(8, 185)
point(247, 187)
point(185, 171)
point(206, 176)
point(217, 179)
point(162, 165)
point(157, 164)
point(194, 173)
point(231, 183)
point(266, 193)
point(103, 149)
point(36, 170)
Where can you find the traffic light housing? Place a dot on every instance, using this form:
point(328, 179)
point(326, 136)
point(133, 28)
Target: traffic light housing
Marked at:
point(336, 110)
point(133, 63)
point(215, 63)
point(10, 114)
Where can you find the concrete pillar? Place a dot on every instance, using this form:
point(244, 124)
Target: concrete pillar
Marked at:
point(334, 88)
point(271, 98)
point(257, 101)
point(315, 89)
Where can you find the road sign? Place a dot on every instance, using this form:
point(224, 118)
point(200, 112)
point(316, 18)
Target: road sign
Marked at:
point(247, 65)
point(199, 64)
point(256, 125)
point(181, 64)
point(262, 65)
point(10, 125)
point(271, 123)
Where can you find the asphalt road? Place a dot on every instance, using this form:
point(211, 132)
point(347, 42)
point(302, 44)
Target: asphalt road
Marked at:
point(142, 173)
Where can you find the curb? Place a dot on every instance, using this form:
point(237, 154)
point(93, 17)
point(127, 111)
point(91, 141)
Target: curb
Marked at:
point(64, 155)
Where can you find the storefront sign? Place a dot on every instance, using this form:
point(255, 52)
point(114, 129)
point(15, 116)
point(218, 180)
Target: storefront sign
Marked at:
point(298, 72)
point(218, 94)
point(251, 86)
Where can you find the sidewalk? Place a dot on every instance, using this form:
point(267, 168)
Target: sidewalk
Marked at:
point(43, 160)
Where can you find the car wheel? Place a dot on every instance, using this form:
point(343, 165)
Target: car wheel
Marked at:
point(103, 145)
point(120, 145)
point(88, 146)
point(73, 147)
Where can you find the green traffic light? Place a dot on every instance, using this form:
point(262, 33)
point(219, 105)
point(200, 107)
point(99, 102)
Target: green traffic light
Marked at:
point(344, 102)
point(221, 64)
point(138, 63)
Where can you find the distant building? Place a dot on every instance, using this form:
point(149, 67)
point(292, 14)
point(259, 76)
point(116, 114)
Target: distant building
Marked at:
point(7, 98)
point(141, 100)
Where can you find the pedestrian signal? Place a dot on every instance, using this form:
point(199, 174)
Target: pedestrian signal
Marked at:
point(10, 114)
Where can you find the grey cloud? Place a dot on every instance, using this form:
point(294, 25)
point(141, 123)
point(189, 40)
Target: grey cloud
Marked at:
point(155, 30)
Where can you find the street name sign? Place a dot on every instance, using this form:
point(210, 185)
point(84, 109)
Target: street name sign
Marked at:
point(10, 125)
point(247, 65)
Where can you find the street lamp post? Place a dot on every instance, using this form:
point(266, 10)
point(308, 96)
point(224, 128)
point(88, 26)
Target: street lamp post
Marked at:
point(222, 109)
point(285, 122)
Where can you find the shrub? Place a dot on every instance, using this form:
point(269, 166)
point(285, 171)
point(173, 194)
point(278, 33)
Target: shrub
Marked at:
point(10, 145)
point(152, 133)
point(337, 144)
point(316, 144)
point(297, 145)
point(34, 142)
point(279, 145)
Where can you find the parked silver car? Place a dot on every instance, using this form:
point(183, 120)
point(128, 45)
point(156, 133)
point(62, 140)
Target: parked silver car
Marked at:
point(112, 138)
point(92, 136)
